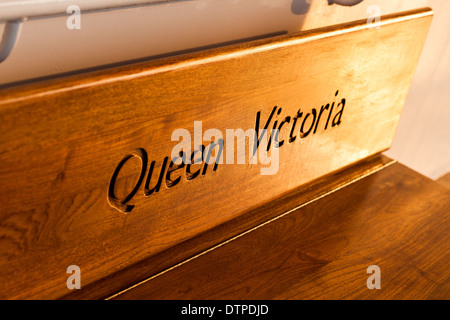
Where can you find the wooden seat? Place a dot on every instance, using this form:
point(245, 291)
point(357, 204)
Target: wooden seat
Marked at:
point(392, 217)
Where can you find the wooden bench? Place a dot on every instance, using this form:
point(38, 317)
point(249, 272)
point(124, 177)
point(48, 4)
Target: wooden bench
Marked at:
point(89, 177)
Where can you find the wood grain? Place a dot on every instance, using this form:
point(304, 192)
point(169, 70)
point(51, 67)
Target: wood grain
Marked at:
point(395, 218)
point(62, 141)
point(444, 180)
point(251, 218)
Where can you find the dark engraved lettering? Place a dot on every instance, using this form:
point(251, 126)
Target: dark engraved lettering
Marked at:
point(218, 153)
point(202, 157)
point(121, 205)
point(189, 174)
point(174, 167)
point(257, 136)
point(273, 130)
point(157, 187)
point(277, 138)
point(322, 109)
point(336, 123)
point(331, 111)
point(297, 116)
point(304, 134)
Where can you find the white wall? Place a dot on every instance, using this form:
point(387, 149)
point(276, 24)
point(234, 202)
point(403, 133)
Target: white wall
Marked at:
point(422, 140)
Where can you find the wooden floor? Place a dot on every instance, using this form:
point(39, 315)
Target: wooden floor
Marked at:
point(394, 218)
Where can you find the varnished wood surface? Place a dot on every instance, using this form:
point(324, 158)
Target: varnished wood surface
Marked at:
point(396, 219)
point(445, 180)
point(62, 141)
point(252, 218)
